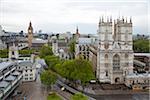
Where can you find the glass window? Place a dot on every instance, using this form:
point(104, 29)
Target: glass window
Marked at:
point(116, 62)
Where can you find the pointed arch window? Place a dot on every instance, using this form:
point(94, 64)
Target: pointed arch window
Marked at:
point(106, 60)
point(126, 36)
point(126, 60)
point(116, 62)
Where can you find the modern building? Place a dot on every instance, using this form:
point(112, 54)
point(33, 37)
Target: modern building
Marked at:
point(10, 78)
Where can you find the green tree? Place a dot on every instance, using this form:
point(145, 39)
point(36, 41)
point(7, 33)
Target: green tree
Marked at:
point(48, 78)
point(72, 47)
point(45, 51)
point(4, 53)
point(26, 51)
point(53, 96)
point(51, 61)
point(79, 96)
point(76, 69)
point(141, 46)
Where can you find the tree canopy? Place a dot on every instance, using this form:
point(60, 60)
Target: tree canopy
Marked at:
point(76, 69)
point(26, 51)
point(72, 46)
point(53, 96)
point(51, 61)
point(4, 53)
point(48, 78)
point(79, 96)
point(141, 45)
point(45, 51)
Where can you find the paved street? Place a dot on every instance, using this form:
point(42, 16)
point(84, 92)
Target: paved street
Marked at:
point(32, 91)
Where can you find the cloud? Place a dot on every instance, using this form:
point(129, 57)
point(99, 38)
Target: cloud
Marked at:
point(50, 15)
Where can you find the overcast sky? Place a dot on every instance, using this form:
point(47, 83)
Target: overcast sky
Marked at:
point(65, 15)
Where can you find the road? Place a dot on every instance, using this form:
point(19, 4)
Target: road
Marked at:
point(31, 91)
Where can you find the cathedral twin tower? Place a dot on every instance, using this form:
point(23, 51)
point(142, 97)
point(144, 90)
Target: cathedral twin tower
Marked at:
point(115, 54)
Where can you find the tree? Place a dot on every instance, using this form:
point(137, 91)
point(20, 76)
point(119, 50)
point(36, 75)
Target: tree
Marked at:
point(53, 96)
point(79, 96)
point(51, 61)
point(76, 69)
point(141, 46)
point(72, 47)
point(4, 53)
point(48, 78)
point(45, 51)
point(26, 51)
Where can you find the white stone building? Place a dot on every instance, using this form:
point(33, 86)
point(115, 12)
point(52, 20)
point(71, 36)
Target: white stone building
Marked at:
point(2, 45)
point(112, 53)
point(28, 70)
point(115, 54)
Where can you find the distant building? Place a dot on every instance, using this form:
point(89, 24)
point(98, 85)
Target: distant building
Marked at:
point(13, 51)
point(37, 43)
point(2, 44)
point(30, 35)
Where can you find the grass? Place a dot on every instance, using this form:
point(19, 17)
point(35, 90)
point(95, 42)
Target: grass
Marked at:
point(53, 96)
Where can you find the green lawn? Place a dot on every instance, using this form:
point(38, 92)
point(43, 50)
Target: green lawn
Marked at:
point(53, 96)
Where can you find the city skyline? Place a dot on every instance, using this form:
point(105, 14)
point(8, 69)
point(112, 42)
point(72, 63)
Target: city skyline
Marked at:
point(65, 15)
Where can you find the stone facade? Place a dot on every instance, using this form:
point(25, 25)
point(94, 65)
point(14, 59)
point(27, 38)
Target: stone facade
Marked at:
point(115, 54)
point(13, 52)
point(30, 35)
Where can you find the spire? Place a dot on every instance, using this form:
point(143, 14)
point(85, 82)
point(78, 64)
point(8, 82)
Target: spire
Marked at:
point(102, 19)
point(99, 21)
point(30, 25)
point(126, 20)
point(111, 19)
point(107, 19)
point(77, 30)
point(77, 33)
point(123, 19)
point(130, 20)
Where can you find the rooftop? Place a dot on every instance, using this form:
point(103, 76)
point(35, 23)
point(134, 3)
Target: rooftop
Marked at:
point(5, 64)
point(142, 54)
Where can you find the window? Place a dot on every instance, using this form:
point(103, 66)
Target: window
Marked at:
point(31, 74)
point(26, 78)
point(31, 78)
point(80, 48)
point(26, 74)
point(106, 73)
point(116, 62)
point(13, 53)
point(106, 60)
point(106, 35)
point(31, 70)
point(126, 36)
point(126, 60)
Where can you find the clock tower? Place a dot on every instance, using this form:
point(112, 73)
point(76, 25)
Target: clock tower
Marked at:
point(30, 35)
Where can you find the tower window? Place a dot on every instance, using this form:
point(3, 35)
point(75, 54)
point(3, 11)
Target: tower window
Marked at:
point(106, 73)
point(116, 62)
point(13, 53)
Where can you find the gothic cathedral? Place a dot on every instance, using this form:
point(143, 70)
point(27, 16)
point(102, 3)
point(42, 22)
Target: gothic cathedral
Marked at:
point(115, 53)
